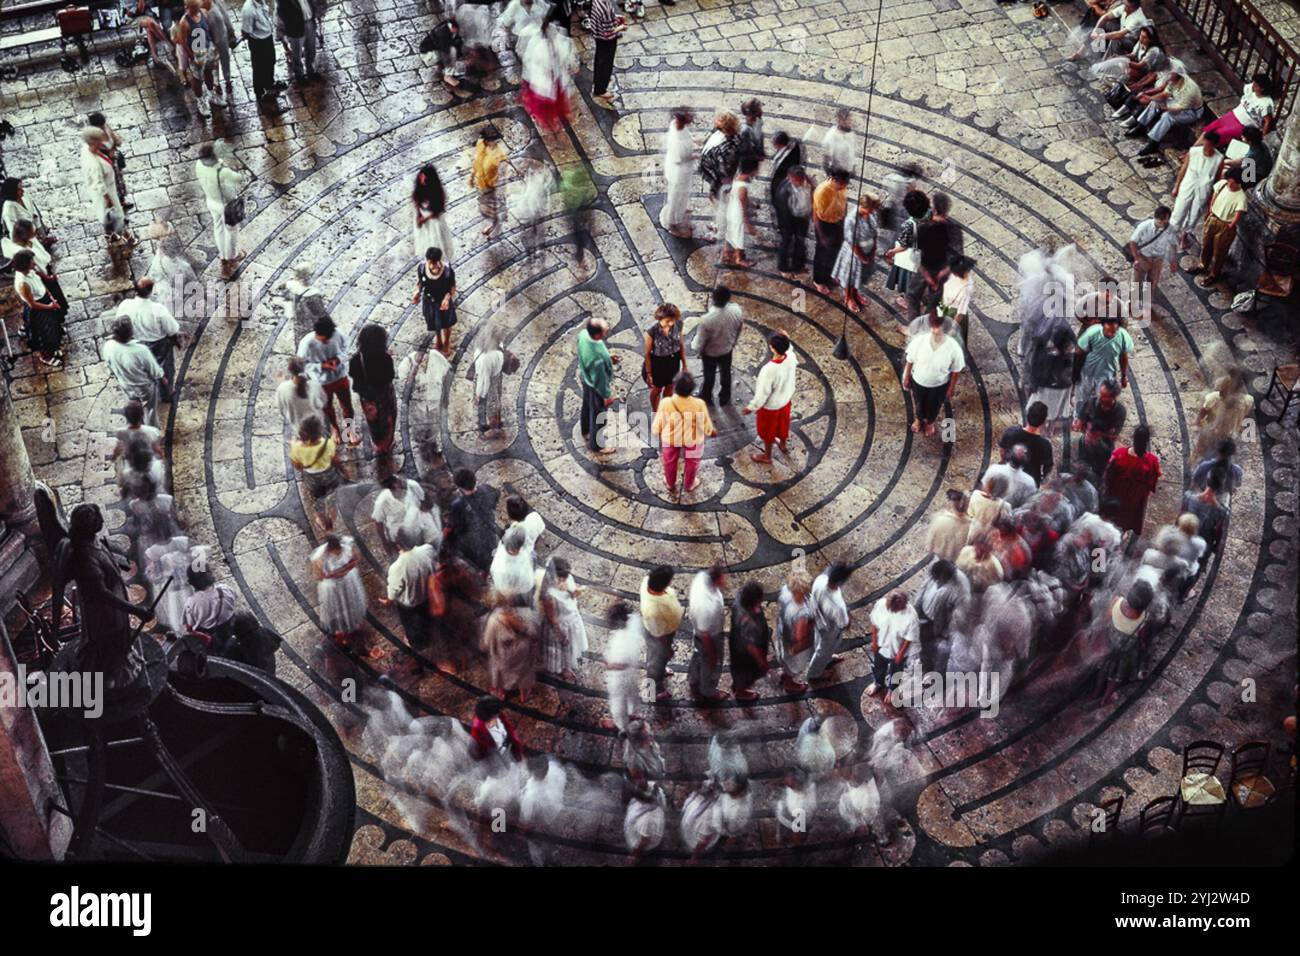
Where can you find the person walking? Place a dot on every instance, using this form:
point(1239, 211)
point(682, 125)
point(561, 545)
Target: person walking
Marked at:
point(43, 317)
point(719, 160)
point(154, 326)
point(665, 352)
point(748, 641)
point(429, 209)
point(1227, 205)
point(1105, 349)
point(596, 373)
point(830, 206)
point(857, 255)
point(322, 351)
point(296, 27)
point(99, 175)
point(408, 592)
point(436, 287)
point(1153, 243)
point(934, 362)
point(1191, 192)
point(661, 615)
point(715, 340)
point(707, 609)
point(830, 618)
point(681, 424)
point(606, 27)
point(221, 186)
point(137, 372)
point(1128, 483)
point(773, 395)
point(485, 177)
point(257, 25)
point(679, 160)
point(792, 203)
point(372, 373)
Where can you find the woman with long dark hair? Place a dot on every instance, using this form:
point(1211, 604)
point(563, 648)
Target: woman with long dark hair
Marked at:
point(42, 315)
point(372, 374)
point(429, 202)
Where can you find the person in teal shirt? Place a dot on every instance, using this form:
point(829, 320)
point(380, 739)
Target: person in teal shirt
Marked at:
point(596, 369)
point(1106, 348)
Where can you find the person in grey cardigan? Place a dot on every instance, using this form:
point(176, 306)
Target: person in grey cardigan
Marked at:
point(715, 339)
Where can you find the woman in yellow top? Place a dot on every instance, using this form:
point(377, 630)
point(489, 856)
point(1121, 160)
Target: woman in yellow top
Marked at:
point(485, 176)
point(681, 424)
point(312, 454)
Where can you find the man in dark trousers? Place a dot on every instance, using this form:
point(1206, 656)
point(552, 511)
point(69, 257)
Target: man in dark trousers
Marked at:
point(787, 153)
point(715, 340)
point(792, 201)
point(257, 24)
point(471, 520)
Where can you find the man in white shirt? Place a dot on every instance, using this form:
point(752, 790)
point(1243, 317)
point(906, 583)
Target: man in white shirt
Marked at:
point(773, 394)
point(894, 628)
point(837, 144)
point(137, 372)
point(1119, 28)
point(408, 588)
point(623, 665)
point(257, 24)
point(154, 327)
point(830, 618)
point(715, 340)
point(707, 610)
point(488, 368)
point(1020, 483)
point(1152, 244)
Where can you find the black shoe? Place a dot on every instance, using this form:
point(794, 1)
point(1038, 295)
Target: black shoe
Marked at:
point(1150, 149)
point(1137, 132)
point(279, 87)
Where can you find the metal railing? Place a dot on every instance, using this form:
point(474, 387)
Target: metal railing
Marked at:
point(1242, 43)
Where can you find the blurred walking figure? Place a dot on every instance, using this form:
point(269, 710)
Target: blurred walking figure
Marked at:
point(485, 177)
point(679, 160)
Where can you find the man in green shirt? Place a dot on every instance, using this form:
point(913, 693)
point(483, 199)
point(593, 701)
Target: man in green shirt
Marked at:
point(596, 369)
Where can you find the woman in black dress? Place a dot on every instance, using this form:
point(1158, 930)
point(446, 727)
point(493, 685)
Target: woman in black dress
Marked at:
point(372, 374)
point(436, 285)
point(665, 352)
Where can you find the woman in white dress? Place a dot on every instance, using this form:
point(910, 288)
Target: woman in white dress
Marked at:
point(643, 823)
point(429, 209)
point(739, 224)
point(99, 176)
point(513, 575)
point(859, 804)
point(220, 184)
point(170, 561)
point(564, 635)
point(798, 804)
point(339, 588)
point(299, 397)
point(679, 164)
point(541, 799)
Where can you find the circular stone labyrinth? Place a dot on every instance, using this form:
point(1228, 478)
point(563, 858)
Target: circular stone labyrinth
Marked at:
point(858, 486)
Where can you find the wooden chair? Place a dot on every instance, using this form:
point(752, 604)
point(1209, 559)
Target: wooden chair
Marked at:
point(1277, 278)
point(1286, 382)
point(1157, 816)
point(1200, 793)
point(1248, 788)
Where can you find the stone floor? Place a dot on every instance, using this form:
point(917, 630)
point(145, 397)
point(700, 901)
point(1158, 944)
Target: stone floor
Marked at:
point(974, 92)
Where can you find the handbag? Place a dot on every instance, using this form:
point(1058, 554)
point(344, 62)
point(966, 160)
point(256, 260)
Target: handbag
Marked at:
point(511, 363)
point(235, 209)
point(1128, 254)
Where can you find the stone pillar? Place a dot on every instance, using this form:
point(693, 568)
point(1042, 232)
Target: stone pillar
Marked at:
point(1274, 212)
point(1281, 191)
point(30, 826)
point(17, 485)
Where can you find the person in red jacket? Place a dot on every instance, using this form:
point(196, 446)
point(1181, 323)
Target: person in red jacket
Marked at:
point(491, 734)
